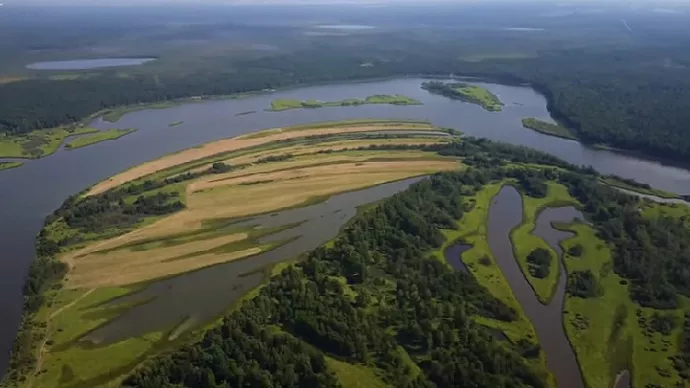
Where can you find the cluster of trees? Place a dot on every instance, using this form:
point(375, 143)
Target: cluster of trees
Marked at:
point(682, 360)
point(539, 261)
point(369, 298)
point(584, 284)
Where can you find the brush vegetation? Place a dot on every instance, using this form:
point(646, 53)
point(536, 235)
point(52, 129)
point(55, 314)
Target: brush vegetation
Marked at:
point(98, 137)
point(396, 99)
point(548, 128)
point(466, 92)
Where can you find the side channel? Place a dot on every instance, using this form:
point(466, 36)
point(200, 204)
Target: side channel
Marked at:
point(505, 214)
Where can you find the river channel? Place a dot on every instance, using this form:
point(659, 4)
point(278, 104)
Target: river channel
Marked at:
point(505, 214)
point(28, 194)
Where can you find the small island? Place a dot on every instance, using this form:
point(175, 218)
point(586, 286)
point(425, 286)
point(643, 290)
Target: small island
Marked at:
point(465, 92)
point(548, 128)
point(37, 144)
point(9, 165)
point(176, 123)
point(280, 105)
point(111, 134)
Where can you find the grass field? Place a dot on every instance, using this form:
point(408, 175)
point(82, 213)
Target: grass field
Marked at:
point(480, 96)
point(525, 242)
point(37, 144)
point(606, 332)
point(548, 128)
point(287, 104)
point(111, 134)
point(114, 115)
point(105, 265)
point(354, 376)
point(253, 140)
point(9, 165)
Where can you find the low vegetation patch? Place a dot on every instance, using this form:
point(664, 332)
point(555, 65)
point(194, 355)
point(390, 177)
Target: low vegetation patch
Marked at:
point(466, 92)
point(542, 272)
point(9, 165)
point(37, 144)
point(111, 134)
point(396, 99)
point(548, 128)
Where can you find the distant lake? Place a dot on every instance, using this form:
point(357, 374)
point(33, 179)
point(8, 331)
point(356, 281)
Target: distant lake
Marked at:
point(83, 64)
point(345, 27)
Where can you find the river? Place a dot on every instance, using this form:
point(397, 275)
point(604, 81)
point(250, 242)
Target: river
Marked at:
point(33, 191)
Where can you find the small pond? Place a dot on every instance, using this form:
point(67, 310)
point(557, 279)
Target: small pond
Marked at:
point(85, 64)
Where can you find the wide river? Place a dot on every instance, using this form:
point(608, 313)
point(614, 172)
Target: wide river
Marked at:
point(33, 191)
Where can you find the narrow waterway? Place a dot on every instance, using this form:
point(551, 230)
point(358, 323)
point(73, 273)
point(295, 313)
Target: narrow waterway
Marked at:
point(505, 214)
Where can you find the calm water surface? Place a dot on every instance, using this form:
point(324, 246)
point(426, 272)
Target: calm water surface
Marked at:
point(33, 191)
point(85, 64)
point(453, 255)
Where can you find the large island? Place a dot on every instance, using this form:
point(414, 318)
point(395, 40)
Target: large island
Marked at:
point(322, 281)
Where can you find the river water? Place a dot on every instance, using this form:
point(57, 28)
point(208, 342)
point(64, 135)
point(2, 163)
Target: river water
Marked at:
point(29, 193)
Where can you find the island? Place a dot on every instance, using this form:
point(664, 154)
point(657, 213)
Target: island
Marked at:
point(39, 143)
point(176, 123)
point(10, 165)
point(396, 99)
point(548, 128)
point(465, 92)
point(97, 137)
point(308, 232)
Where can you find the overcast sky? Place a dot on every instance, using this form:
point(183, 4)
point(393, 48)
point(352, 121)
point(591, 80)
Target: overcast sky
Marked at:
point(150, 2)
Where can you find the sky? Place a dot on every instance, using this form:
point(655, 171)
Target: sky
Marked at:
point(153, 2)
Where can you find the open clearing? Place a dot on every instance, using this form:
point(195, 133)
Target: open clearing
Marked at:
point(242, 142)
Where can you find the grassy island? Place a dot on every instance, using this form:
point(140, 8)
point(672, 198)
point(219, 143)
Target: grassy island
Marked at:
point(176, 123)
point(548, 128)
point(37, 144)
point(287, 104)
point(101, 136)
point(466, 92)
point(9, 165)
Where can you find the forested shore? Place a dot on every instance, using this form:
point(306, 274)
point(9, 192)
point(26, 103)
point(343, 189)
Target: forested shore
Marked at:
point(604, 101)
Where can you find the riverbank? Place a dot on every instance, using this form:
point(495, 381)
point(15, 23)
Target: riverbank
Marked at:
point(38, 144)
point(116, 258)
